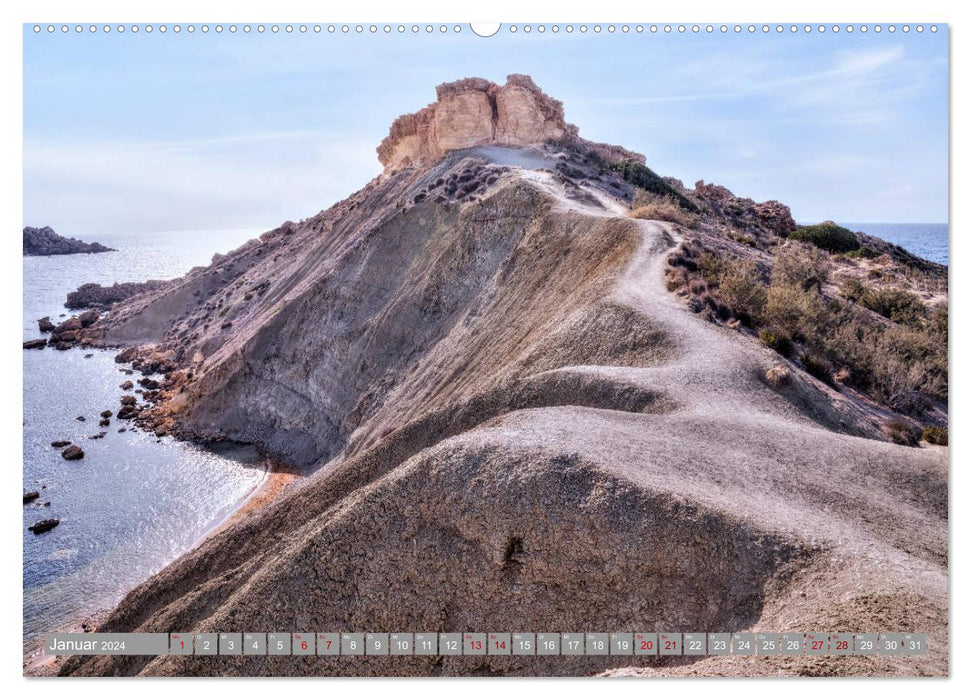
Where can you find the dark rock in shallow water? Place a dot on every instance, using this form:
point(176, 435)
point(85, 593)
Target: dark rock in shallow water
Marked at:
point(31, 496)
point(81, 418)
point(128, 400)
point(126, 385)
point(97, 436)
point(36, 344)
point(127, 412)
point(62, 345)
point(44, 241)
point(106, 413)
point(44, 525)
point(104, 422)
point(60, 443)
point(72, 453)
point(45, 325)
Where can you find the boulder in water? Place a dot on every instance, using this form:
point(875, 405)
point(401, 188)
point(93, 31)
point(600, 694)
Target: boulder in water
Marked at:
point(72, 453)
point(44, 525)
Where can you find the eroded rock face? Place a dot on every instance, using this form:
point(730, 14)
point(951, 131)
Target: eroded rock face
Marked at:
point(768, 217)
point(474, 112)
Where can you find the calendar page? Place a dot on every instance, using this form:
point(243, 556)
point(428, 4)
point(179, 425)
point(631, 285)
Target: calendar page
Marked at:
point(510, 349)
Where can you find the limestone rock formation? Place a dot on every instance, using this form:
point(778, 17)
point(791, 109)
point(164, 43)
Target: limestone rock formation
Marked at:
point(476, 112)
point(769, 217)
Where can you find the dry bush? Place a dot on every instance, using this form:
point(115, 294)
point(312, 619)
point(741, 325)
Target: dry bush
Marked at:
point(852, 288)
point(676, 278)
point(902, 433)
point(908, 365)
point(777, 376)
point(665, 209)
point(712, 267)
point(937, 322)
point(743, 292)
point(800, 265)
point(935, 435)
point(777, 340)
point(817, 367)
point(801, 314)
point(898, 305)
point(901, 364)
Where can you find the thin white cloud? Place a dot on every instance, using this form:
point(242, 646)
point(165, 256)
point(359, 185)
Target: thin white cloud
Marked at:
point(235, 181)
point(851, 65)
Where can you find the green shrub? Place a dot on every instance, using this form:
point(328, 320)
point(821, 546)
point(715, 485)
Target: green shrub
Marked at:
point(902, 433)
point(645, 178)
point(935, 435)
point(777, 340)
point(862, 252)
point(818, 368)
point(827, 236)
point(896, 304)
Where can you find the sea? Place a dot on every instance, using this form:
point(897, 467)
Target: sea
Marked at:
point(929, 241)
point(135, 503)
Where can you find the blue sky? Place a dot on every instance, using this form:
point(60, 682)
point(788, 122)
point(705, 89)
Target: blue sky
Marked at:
point(153, 132)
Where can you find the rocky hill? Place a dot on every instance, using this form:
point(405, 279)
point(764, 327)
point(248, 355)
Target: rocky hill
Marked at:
point(44, 241)
point(516, 419)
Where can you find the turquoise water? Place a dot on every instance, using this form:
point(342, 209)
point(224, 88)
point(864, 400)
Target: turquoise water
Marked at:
point(133, 504)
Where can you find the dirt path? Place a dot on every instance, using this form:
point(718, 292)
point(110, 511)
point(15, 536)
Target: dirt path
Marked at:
point(734, 444)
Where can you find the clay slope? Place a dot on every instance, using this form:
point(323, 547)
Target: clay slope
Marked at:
point(519, 428)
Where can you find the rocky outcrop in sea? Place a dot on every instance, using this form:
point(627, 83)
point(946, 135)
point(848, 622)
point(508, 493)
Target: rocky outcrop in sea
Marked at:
point(44, 241)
